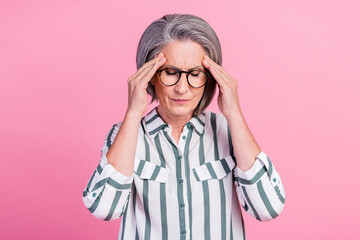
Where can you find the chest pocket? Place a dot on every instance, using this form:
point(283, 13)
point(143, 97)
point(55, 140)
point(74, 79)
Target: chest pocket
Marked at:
point(214, 169)
point(150, 171)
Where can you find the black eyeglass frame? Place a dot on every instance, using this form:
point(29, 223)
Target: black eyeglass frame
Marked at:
point(187, 76)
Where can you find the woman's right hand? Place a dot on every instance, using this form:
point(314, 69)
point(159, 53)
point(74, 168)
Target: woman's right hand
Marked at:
point(137, 84)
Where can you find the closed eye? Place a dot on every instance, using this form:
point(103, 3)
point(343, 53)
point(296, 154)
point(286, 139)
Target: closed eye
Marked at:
point(171, 71)
point(195, 73)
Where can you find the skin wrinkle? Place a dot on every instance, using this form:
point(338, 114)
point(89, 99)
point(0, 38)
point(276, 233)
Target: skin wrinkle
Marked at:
point(196, 67)
point(181, 54)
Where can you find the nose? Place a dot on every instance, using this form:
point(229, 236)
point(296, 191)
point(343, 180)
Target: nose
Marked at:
point(182, 86)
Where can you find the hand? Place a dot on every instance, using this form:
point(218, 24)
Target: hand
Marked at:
point(137, 84)
point(228, 100)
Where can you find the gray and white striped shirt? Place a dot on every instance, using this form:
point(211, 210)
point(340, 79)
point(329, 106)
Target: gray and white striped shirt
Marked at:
point(187, 190)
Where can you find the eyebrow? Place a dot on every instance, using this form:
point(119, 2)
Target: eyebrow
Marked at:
point(188, 69)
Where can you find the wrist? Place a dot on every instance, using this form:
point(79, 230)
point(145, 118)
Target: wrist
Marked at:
point(235, 117)
point(133, 115)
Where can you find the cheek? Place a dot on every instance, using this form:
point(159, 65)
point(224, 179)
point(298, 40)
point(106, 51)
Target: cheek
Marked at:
point(161, 92)
point(199, 94)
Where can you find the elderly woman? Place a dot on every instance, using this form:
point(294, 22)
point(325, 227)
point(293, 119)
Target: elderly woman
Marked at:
point(181, 172)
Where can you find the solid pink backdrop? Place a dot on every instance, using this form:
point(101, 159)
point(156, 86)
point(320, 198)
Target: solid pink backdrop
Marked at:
point(64, 67)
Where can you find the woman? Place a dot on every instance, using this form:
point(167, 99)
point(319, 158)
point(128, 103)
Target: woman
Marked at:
point(181, 172)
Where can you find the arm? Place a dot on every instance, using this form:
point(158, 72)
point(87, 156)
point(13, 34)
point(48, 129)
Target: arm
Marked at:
point(259, 187)
point(258, 184)
point(109, 188)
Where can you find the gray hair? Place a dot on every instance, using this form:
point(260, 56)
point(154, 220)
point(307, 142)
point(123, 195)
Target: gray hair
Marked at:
point(180, 27)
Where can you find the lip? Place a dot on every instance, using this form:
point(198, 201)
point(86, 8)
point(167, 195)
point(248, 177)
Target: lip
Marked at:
point(180, 101)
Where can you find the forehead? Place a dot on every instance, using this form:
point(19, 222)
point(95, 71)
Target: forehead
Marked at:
point(183, 54)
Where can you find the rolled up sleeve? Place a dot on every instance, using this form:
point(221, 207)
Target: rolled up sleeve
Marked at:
point(260, 189)
point(107, 192)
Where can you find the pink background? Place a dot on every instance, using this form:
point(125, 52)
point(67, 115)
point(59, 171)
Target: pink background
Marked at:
point(63, 71)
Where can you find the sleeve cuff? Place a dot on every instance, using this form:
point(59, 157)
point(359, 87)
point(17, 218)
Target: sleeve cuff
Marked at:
point(262, 166)
point(250, 173)
point(117, 181)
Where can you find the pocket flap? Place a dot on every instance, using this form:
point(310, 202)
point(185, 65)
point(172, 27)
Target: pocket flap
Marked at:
point(148, 170)
point(214, 169)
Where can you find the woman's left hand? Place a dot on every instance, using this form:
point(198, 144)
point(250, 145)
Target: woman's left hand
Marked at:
point(228, 100)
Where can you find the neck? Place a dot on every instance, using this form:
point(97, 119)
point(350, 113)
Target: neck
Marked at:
point(177, 122)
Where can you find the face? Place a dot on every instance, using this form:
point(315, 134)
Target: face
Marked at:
point(181, 99)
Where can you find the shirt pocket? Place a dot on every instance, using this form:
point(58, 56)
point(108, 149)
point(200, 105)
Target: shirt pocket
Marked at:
point(151, 171)
point(216, 169)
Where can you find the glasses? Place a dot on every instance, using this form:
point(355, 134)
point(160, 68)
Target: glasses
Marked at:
point(171, 76)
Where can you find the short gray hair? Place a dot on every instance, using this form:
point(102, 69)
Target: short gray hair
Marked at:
point(181, 27)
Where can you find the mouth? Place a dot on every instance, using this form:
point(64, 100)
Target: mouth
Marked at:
point(180, 101)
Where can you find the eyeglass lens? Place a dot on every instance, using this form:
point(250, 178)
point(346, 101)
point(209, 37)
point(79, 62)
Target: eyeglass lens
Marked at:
point(170, 76)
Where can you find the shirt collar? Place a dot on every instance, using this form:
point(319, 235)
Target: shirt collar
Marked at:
point(154, 123)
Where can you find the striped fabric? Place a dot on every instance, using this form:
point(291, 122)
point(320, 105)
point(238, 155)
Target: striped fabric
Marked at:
point(187, 190)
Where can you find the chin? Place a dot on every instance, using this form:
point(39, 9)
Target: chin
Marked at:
point(181, 110)
point(178, 110)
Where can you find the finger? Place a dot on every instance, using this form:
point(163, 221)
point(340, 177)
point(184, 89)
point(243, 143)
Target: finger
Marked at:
point(140, 73)
point(209, 61)
point(211, 64)
point(143, 73)
point(205, 62)
point(148, 76)
point(152, 69)
point(221, 69)
point(214, 64)
point(219, 76)
point(228, 82)
point(148, 64)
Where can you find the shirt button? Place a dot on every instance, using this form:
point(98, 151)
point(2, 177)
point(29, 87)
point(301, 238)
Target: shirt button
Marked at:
point(179, 157)
point(182, 205)
point(274, 179)
point(184, 137)
point(94, 194)
point(183, 231)
point(181, 180)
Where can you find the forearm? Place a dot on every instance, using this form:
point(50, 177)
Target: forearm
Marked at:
point(121, 154)
point(260, 189)
point(107, 192)
point(245, 147)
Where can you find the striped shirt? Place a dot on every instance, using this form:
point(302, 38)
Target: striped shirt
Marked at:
point(187, 190)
